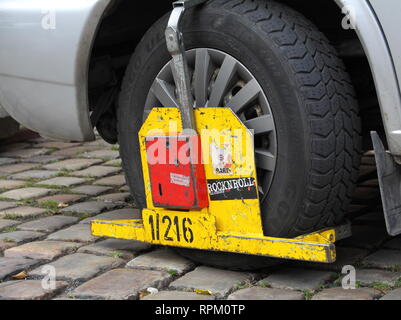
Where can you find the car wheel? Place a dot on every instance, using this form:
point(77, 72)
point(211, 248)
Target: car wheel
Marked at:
point(283, 79)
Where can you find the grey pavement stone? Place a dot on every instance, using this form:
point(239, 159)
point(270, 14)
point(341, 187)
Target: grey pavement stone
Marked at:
point(25, 193)
point(258, 293)
point(75, 151)
point(161, 260)
point(33, 174)
point(177, 296)
point(63, 181)
point(12, 266)
point(115, 162)
point(366, 237)
point(115, 181)
point(25, 153)
point(48, 224)
point(4, 223)
point(72, 164)
point(4, 161)
point(96, 172)
point(384, 259)
point(102, 154)
point(90, 207)
point(46, 159)
point(22, 212)
point(342, 294)
point(121, 284)
point(90, 190)
point(15, 168)
point(125, 249)
point(115, 197)
point(80, 267)
point(75, 233)
point(57, 145)
point(125, 189)
point(298, 279)
point(11, 184)
point(61, 199)
point(121, 214)
point(392, 295)
point(218, 282)
point(7, 204)
point(20, 236)
point(28, 290)
point(42, 250)
point(4, 245)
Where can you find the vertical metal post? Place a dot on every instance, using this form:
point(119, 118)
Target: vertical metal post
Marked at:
point(175, 46)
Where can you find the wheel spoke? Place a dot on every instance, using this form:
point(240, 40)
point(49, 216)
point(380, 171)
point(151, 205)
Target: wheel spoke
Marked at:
point(203, 73)
point(245, 96)
point(164, 92)
point(265, 159)
point(261, 124)
point(223, 81)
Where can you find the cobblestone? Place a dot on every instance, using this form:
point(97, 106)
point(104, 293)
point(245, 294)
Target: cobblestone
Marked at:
point(63, 182)
point(28, 290)
point(124, 249)
point(20, 236)
point(11, 184)
point(90, 190)
point(177, 295)
point(218, 282)
point(90, 207)
point(258, 293)
point(76, 233)
point(121, 284)
point(33, 174)
point(162, 260)
point(12, 266)
point(22, 212)
point(121, 214)
point(342, 294)
point(7, 223)
point(80, 267)
point(25, 193)
point(72, 164)
point(49, 224)
point(298, 279)
point(42, 250)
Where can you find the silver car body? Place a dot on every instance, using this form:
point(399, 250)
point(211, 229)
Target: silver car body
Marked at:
point(44, 67)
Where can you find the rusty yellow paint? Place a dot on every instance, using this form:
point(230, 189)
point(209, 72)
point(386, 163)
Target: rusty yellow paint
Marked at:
point(228, 226)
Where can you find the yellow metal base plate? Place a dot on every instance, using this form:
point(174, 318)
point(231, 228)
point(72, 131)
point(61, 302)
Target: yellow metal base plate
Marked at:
point(232, 222)
point(198, 231)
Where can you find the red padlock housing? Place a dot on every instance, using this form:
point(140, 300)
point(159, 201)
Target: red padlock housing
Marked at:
point(177, 174)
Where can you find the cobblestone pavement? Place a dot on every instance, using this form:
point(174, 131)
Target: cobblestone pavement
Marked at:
point(49, 192)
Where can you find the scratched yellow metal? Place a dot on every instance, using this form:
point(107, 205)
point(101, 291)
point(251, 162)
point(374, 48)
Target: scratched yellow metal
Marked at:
point(230, 225)
point(205, 237)
point(215, 125)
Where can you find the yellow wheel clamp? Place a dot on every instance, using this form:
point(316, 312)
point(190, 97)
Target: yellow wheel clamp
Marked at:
point(213, 205)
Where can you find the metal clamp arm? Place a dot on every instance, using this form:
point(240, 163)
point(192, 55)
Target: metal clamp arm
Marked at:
point(175, 46)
